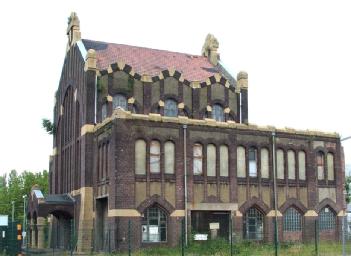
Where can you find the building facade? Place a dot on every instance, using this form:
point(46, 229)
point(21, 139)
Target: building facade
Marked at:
point(130, 122)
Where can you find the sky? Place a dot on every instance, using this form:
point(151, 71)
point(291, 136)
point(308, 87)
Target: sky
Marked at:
point(297, 55)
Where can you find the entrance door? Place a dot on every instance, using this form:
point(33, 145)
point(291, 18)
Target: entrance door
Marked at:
point(102, 235)
point(200, 222)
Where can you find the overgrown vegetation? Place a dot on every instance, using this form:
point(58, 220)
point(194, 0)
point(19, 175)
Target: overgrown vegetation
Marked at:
point(245, 248)
point(48, 126)
point(348, 189)
point(14, 186)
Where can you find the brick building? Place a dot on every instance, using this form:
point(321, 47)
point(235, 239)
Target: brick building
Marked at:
point(130, 121)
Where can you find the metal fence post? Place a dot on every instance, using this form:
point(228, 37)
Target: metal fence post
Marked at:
point(316, 237)
point(231, 235)
point(129, 245)
point(182, 235)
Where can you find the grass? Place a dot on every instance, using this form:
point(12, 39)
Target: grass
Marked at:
point(222, 248)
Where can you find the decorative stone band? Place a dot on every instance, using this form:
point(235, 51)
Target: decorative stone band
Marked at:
point(213, 206)
point(272, 214)
point(87, 128)
point(121, 114)
point(120, 66)
point(123, 213)
point(311, 213)
point(178, 213)
point(342, 213)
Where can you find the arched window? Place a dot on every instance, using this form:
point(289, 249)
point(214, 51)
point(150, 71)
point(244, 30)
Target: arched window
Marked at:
point(241, 162)
point(326, 219)
point(155, 157)
point(140, 157)
point(320, 165)
point(302, 165)
point(169, 157)
point(330, 162)
point(280, 164)
point(211, 160)
point(292, 220)
point(171, 108)
point(218, 113)
point(154, 225)
point(253, 224)
point(223, 161)
point(119, 101)
point(291, 165)
point(264, 163)
point(197, 159)
point(103, 112)
point(252, 162)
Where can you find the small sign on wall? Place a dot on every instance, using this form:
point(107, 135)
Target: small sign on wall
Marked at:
point(214, 225)
point(200, 237)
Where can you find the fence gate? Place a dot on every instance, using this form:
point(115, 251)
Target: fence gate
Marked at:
point(10, 242)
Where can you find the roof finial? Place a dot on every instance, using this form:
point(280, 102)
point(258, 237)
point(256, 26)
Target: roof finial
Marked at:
point(210, 48)
point(73, 30)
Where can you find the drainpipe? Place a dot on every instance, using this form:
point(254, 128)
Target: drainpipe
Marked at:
point(185, 186)
point(275, 195)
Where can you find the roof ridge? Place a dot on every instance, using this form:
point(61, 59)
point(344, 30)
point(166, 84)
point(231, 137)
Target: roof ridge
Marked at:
point(143, 47)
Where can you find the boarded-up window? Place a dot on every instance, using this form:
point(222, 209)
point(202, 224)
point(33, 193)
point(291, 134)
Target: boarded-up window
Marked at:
point(330, 161)
point(169, 157)
point(155, 157)
point(320, 165)
point(252, 162)
point(291, 165)
point(197, 159)
point(211, 160)
point(223, 164)
point(264, 163)
point(241, 162)
point(140, 157)
point(280, 164)
point(302, 165)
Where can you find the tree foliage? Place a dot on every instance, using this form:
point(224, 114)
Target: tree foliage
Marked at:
point(348, 189)
point(14, 186)
point(48, 126)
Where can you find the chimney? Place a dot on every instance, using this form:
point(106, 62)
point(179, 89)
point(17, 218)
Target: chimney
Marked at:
point(210, 48)
point(73, 30)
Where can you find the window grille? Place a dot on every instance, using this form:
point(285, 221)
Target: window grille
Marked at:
point(326, 219)
point(253, 224)
point(218, 113)
point(119, 101)
point(154, 225)
point(197, 159)
point(171, 108)
point(292, 220)
point(155, 157)
point(252, 162)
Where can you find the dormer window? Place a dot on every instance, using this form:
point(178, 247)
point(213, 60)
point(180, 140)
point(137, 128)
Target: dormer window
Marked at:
point(119, 101)
point(218, 113)
point(171, 108)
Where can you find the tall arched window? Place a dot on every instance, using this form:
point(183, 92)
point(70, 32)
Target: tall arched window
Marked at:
point(291, 165)
point(320, 165)
point(211, 160)
point(264, 163)
point(280, 164)
point(140, 157)
point(218, 113)
point(326, 219)
point(252, 162)
point(103, 112)
point(241, 162)
point(169, 157)
point(197, 159)
point(154, 225)
point(119, 101)
point(330, 162)
point(171, 108)
point(302, 165)
point(292, 220)
point(253, 224)
point(155, 157)
point(223, 161)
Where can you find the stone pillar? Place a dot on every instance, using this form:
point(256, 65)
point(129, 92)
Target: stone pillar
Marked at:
point(308, 231)
point(41, 235)
point(32, 233)
point(269, 226)
point(238, 225)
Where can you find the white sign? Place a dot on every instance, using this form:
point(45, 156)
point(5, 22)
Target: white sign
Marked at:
point(214, 225)
point(4, 220)
point(153, 230)
point(200, 237)
point(24, 234)
point(3, 234)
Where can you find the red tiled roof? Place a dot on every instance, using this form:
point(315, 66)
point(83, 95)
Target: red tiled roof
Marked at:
point(146, 61)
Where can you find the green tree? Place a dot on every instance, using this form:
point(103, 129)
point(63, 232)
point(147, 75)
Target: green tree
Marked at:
point(348, 189)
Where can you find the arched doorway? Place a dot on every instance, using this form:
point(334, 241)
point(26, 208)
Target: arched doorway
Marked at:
point(154, 225)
